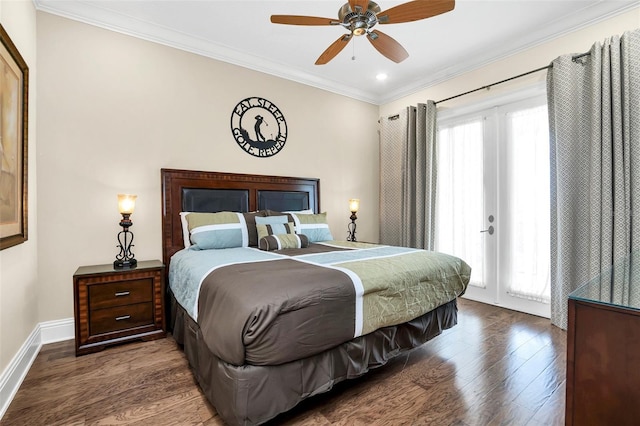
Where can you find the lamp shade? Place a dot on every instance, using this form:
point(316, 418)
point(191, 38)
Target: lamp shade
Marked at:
point(354, 204)
point(126, 203)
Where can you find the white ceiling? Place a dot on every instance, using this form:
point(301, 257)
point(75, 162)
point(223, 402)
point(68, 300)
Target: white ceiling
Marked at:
point(475, 33)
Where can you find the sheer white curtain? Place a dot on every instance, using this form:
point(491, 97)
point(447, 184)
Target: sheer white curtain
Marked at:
point(459, 211)
point(526, 260)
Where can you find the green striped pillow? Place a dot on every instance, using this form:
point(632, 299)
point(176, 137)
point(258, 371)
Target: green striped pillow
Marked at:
point(274, 229)
point(314, 226)
point(217, 230)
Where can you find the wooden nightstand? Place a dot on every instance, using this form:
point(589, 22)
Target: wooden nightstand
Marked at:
point(118, 305)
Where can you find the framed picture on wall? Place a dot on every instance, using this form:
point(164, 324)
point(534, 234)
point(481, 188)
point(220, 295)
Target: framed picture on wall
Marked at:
point(14, 91)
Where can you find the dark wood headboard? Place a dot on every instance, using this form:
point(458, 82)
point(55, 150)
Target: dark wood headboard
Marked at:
point(188, 190)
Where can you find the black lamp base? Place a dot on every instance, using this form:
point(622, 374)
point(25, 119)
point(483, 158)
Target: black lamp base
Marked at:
point(125, 264)
point(351, 236)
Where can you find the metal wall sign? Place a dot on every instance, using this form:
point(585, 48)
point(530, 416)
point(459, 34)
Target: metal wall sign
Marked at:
point(259, 127)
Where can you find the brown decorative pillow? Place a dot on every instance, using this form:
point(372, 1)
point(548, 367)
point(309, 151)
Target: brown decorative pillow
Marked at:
point(250, 219)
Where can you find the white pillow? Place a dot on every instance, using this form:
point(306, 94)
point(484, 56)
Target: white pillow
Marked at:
point(308, 211)
point(185, 229)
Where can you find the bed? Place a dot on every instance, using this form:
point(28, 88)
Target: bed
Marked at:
point(258, 337)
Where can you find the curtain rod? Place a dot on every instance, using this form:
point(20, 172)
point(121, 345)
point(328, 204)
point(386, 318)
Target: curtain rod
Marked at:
point(510, 78)
point(488, 86)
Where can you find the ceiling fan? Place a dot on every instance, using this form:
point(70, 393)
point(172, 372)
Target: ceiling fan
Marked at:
point(360, 16)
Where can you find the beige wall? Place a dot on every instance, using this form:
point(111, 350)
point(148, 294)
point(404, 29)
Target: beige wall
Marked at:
point(576, 42)
point(19, 264)
point(115, 109)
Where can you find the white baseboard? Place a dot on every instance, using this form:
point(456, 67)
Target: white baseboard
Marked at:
point(13, 376)
point(57, 331)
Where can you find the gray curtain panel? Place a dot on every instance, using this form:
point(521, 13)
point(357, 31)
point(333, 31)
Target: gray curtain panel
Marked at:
point(408, 181)
point(594, 119)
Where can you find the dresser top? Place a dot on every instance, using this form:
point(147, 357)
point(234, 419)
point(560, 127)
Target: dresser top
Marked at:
point(610, 288)
point(101, 269)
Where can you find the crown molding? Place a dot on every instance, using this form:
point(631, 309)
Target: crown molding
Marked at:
point(95, 15)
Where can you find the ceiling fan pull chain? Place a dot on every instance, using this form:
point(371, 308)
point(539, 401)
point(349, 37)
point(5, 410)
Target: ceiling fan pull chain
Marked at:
point(353, 45)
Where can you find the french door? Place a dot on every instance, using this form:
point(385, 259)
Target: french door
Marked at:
point(493, 202)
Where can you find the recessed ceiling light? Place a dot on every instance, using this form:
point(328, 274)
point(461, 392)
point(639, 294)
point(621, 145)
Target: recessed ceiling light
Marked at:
point(381, 77)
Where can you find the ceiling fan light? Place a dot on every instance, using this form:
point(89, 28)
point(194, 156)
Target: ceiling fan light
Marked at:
point(359, 27)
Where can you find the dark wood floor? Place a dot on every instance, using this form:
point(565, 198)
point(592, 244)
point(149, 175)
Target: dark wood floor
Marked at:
point(495, 367)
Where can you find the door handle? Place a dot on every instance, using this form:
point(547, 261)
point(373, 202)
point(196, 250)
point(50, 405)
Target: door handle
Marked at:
point(490, 230)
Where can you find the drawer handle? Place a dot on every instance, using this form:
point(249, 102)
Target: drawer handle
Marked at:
point(122, 293)
point(124, 317)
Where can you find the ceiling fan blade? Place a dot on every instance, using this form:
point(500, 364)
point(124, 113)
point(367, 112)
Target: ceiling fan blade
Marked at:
point(364, 4)
point(335, 48)
point(387, 46)
point(302, 20)
point(415, 10)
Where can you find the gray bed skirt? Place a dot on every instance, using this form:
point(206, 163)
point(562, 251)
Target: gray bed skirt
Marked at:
point(249, 395)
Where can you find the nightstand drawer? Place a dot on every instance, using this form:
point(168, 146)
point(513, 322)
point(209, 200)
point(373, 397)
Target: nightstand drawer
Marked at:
point(120, 293)
point(121, 318)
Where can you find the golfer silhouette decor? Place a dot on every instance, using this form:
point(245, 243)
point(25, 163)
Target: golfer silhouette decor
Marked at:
point(269, 127)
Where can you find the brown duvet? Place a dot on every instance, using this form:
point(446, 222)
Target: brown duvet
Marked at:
point(262, 313)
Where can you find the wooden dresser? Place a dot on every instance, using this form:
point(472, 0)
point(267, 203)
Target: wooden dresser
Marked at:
point(603, 360)
point(118, 305)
